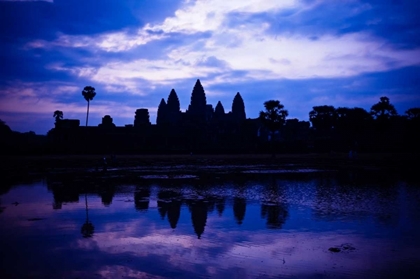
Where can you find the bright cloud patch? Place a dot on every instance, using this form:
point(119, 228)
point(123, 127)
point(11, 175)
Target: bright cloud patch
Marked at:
point(247, 46)
point(201, 16)
point(112, 42)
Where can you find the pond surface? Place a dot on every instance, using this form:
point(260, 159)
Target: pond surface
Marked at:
point(250, 225)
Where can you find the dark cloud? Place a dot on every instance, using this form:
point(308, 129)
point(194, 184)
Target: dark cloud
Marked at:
point(92, 17)
point(22, 21)
point(17, 63)
point(40, 19)
point(397, 22)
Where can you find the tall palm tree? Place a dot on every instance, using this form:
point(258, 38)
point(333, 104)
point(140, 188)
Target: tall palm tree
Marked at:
point(88, 92)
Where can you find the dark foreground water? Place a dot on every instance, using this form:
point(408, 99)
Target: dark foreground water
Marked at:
point(250, 225)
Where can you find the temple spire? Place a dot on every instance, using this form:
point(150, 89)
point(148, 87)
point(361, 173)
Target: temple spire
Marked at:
point(161, 116)
point(219, 110)
point(198, 100)
point(238, 107)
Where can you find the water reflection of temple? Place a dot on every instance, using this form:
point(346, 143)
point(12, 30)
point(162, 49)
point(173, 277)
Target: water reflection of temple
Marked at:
point(169, 204)
point(63, 192)
point(220, 205)
point(141, 198)
point(107, 193)
point(239, 209)
point(273, 208)
point(172, 201)
point(199, 210)
point(276, 215)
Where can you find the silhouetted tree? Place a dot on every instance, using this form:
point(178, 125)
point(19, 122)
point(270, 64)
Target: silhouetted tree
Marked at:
point(88, 93)
point(383, 109)
point(4, 129)
point(413, 113)
point(323, 118)
point(58, 114)
point(274, 115)
point(238, 108)
point(352, 120)
point(413, 128)
point(383, 112)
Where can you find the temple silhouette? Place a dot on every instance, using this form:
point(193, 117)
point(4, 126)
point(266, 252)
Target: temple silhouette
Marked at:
point(201, 128)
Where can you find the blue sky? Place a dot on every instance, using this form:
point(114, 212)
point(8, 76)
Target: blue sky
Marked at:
point(302, 52)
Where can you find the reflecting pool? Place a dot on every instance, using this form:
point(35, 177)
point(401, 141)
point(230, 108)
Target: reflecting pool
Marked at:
point(250, 225)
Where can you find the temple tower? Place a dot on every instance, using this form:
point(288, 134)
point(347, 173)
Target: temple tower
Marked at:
point(173, 108)
point(238, 108)
point(141, 118)
point(197, 108)
point(162, 113)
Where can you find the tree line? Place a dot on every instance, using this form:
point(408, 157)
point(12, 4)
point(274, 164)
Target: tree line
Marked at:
point(341, 129)
point(380, 128)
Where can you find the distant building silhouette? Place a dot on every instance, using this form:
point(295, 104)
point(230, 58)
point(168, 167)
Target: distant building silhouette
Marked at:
point(198, 129)
point(107, 122)
point(141, 118)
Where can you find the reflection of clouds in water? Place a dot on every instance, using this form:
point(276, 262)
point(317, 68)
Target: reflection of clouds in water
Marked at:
point(276, 254)
point(121, 271)
point(135, 243)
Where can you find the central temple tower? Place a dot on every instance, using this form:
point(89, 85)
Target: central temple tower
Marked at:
point(197, 107)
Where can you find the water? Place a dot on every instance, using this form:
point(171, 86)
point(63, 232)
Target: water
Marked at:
point(250, 225)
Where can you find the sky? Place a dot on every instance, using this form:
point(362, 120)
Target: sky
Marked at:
point(304, 53)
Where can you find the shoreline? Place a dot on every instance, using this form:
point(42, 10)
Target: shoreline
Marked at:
point(326, 161)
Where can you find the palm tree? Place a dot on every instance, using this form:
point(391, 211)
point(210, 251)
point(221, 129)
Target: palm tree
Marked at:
point(88, 92)
point(58, 114)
